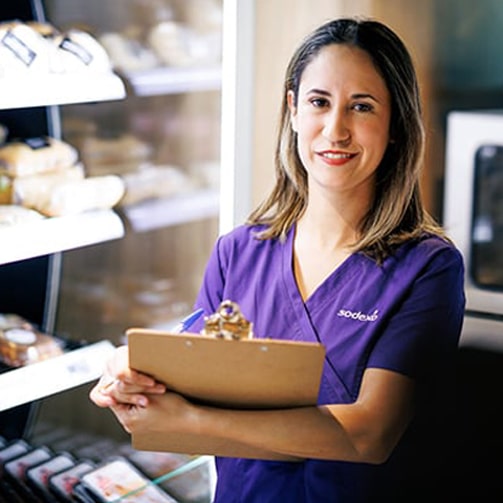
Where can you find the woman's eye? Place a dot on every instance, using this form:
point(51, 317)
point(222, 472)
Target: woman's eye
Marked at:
point(319, 102)
point(363, 107)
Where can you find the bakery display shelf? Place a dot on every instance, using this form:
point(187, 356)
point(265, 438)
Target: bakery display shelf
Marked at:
point(34, 90)
point(169, 80)
point(50, 235)
point(183, 208)
point(38, 380)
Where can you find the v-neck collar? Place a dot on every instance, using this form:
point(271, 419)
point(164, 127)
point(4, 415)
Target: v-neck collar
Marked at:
point(303, 310)
point(301, 307)
point(289, 272)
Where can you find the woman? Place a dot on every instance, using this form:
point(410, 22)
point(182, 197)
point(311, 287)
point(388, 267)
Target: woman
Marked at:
point(344, 253)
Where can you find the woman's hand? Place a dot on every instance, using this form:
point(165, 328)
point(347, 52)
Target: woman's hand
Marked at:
point(121, 385)
point(167, 413)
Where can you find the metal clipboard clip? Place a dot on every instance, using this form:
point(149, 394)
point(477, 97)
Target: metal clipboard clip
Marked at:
point(228, 323)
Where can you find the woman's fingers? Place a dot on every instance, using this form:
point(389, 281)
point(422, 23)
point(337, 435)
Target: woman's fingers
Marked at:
point(121, 384)
point(100, 393)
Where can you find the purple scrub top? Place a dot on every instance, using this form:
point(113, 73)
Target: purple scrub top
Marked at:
point(404, 315)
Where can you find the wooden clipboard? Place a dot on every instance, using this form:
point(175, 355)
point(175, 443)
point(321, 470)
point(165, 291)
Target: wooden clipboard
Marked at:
point(245, 374)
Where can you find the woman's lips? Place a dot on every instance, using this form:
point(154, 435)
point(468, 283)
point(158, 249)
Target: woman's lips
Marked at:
point(336, 158)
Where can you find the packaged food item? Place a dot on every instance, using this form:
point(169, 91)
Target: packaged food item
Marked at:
point(91, 193)
point(114, 154)
point(15, 470)
point(21, 346)
point(80, 51)
point(12, 450)
point(172, 43)
point(10, 320)
point(72, 51)
point(22, 49)
point(62, 483)
point(38, 475)
point(128, 54)
point(186, 478)
point(12, 214)
point(153, 182)
point(34, 191)
point(36, 155)
point(39, 47)
point(118, 478)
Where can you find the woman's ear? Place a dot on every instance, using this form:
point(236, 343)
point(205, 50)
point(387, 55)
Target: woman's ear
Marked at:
point(290, 98)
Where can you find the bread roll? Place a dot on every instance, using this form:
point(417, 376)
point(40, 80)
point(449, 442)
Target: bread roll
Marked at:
point(80, 51)
point(128, 54)
point(153, 182)
point(22, 49)
point(93, 193)
point(170, 42)
point(35, 191)
point(36, 155)
point(114, 155)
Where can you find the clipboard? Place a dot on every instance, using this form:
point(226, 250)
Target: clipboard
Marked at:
point(240, 374)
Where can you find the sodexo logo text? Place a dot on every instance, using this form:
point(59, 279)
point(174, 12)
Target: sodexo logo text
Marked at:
point(358, 315)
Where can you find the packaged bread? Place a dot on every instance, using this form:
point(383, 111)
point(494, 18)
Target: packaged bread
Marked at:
point(117, 154)
point(74, 50)
point(80, 51)
point(36, 155)
point(11, 320)
point(92, 193)
point(22, 49)
point(21, 346)
point(35, 191)
point(171, 43)
point(154, 182)
point(128, 54)
point(11, 214)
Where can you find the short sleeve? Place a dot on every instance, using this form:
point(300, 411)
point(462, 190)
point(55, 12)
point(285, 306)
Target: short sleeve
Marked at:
point(424, 331)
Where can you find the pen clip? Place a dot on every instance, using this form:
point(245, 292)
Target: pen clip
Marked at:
point(188, 321)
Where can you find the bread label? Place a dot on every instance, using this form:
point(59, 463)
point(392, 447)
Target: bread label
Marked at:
point(19, 48)
point(37, 142)
point(20, 336)
point(77, 50)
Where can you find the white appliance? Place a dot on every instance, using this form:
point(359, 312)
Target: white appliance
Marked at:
point(473, 216)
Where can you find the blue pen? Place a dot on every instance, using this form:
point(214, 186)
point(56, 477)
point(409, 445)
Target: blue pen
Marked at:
point(188, 321)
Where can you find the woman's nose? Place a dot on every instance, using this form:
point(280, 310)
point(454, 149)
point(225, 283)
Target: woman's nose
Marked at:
point(337, 128)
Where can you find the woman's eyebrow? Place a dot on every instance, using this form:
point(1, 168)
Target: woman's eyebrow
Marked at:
point(355, 96)
point(359, 96)
point(318, 91)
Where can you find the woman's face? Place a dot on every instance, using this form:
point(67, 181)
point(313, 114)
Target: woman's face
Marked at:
point(342, 120)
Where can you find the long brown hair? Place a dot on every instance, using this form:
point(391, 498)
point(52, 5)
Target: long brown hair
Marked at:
point(397, 212)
